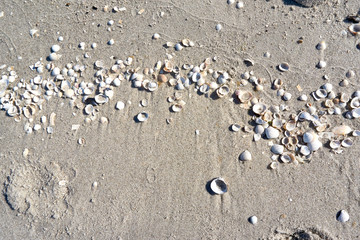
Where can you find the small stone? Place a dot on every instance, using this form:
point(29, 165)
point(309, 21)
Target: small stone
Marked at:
point(253, 220)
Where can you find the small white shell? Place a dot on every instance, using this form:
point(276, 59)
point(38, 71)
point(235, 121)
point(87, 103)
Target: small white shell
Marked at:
point(245, 156)
point(321, 46)
point(218, 27)
point(287, 96)
point(302, 98)
point(309, 137)
point(142, 117)
point(287, 157)
point(342, 216)
point(152, 86)
point(277, 149)
point(101, 99)
point(321, 93)
point(284, 67)
point(235, 127)
point(89, 109)
point(55, 48)
point(274, 165)
point(120, 105)
point(304, 150)
point(54, 56)
point(272, 133)
point(321, 64)
point(355, 113)
point(259, 129)
point(259, 108)
point(253, 220)
point(111, 42)
point(218, 186)
point(334, 144)
point(178, 47)
point(314, 145)
point(356, 133)
point(223, 91)
point(176, 107)
point(156, 36)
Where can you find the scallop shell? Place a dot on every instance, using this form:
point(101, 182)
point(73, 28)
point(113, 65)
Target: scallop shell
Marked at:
point(259, 108)
point(355, 29)
point(277, 149)
point(272, 133)
point(341, 130)
point(245, 156)
point(142, 117)
point(284, 67)
point(223, 91)
point(218, 186)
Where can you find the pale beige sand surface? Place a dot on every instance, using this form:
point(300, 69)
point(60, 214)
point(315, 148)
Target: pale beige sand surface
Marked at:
point(152, 176)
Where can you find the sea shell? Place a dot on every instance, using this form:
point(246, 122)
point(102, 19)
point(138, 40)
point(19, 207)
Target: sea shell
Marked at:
point(235, 127)
point(287, 96)
point(152, 86)
point(120, 105)
point(272, 133)
point(259, 108)
point(321, 64)
point(287, 157)
point(355, 102)
point(54, 56)
point(284, 67)
point(304, 116)
point(204, 88)
point(223, 91)
point(290, 125)
point(13, 111)
point(274, 165)
point(178, 47)
point(222, 79)
point(355, 29)
point(256, 137)
point(321, 93)
point(243, 96)
point(4, 83)
point(277, 123)
point(176, 107)
point(245, 156)
point(342, 216)
point(142, 117)
point(334, 144)
point(101, 99)
point(356, 133)
point(277, 83)
point(218, 186)
point(259, 129)
point(344, 97)
point(304, 150)
point(277, 149)
point(302, 97)
point(321, 46)
point(314, 145)
point(347, 142)
point(355, 113)
point(341, 130)
point(253, 220)
point(89, 109)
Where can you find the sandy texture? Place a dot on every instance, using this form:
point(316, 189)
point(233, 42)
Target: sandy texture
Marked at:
point(152, 177)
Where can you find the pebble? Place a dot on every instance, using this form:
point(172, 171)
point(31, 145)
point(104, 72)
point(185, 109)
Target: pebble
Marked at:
point(342, 216)
point(253, 220)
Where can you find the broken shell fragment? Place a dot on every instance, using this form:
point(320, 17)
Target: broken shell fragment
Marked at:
point(176, 107)
point(354, 29)
point(341, 130)
point(223, 91)
point(342, 216)
point(120, 105)
point(89, 109)
point(218, 186)
point(259, 108)
point(101, 99)
point(235, 127)
point(142, 117)
point(245, 156)
point(243, 96)
point(347, 142)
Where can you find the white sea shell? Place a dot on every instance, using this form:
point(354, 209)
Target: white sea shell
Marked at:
point(355, 102)
point(54, 56)
point(341, 130)
point(321, 93)
point(218, 186)
point(256, 137)
point(245, 156)
point(243, 96)
point(4, 83)
point(277, 149)
point(342, 216)
point(143, 116)
point(302, 97)
point(176, 107)
point(355, 29)
point(287, 157)
point(304, 150)
point(55, 48)
point(253, 220)
point(356, 133)
point(156, 36)
point(321, 46)
point(304, 116)
point(204, 88)
point(334, 144)
point(272, 133)
point(120, 105)
point(12, 111)
point(259, 108)
point(314, 145)
point(222, 79)
point(223, 91)
point(152, 86)
point(101, 99)
point(309, 137)
point(321, 64)
point(274, 165)
point(287, 96)
point(259, 129)
point(347, 142)
point(235, 127)
point(178, 47)
point(284, 67)
point(218, 27)
point(355, 113)
point(89, 109)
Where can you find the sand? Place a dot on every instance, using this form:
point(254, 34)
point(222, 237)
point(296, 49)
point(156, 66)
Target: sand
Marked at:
point(152, 178)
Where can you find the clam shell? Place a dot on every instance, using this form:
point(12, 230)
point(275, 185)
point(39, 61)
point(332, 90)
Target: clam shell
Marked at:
point(354, 29)
point(284, 67)
point(152, 86)
point(355, 102)
point(356, 133)
point(235, 127)
point(287, 158)
point(13, 111)
point(314, 145)
point(304, 116)
point(243, 96)
point(54, 56)
point(321, 46)
point(4, 83)
point(245, 156)
point(321, 93)
point(101, 99)
point(196, 77)
point(253, 220)
point(287, 96)
point(120, 105)
point(272, 133)
point(223, 91)
point(89, 109)
point(342, 216)
point(142, 117)
point(302, 97)
point(256, 137)
point(274, 165)
point(341, 130)
point(347, 142)
point(309, 137)
point(277, 83)
point(218, 186)
point(204, 88)
point(259, 129)
point(355, 113)
point(304, 150)
point(277, 149)
point(290, 125)
point(162, 78)
point(259, 108)
point(334, 144)
point(176, 107)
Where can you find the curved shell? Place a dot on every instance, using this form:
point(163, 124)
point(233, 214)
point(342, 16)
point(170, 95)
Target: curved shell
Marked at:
point(355, 29)
point(355, 102)
point(277, 149)
point(259, 108)
point(245, 156)
point(277, 83)
point(13, 111)
point(244, 96)
point(204, 88)
point(168, 66)
point(308, 137)
point(290, 125)
point(272, 133)
point(142, 117)
point(341, 130)
point(223, 91)
point(152, 86)
point(355, 113)
point(235, 127)
point(4, 83)
point(101, 99)
point(314, 145)
point(218, 186)
point(347, 142)
point(321, 93)
point(304, 150)
point(284, 67)
point(287, 157)
point(89, 109)
point(176, 107)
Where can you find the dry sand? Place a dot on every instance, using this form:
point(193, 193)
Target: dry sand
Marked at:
point(152, 176)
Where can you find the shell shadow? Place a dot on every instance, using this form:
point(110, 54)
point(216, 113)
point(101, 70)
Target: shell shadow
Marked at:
point(135, 119)
point(208, 189)
point(293, 3)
